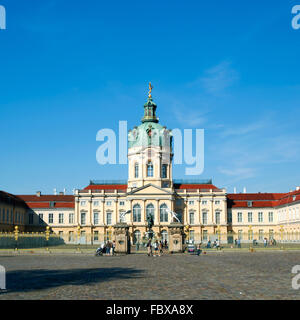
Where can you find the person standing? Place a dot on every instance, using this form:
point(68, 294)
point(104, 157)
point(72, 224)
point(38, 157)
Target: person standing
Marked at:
point(155, 248)
point(113, 247)
point(149, 248)
point(160, 247)
point(239, 243)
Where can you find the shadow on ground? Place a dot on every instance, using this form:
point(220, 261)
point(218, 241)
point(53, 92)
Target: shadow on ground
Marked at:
point(30, 280)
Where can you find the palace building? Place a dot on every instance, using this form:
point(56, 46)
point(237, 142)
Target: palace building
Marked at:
point(203, 208)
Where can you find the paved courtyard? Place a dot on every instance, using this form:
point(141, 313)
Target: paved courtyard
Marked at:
point(225, 275)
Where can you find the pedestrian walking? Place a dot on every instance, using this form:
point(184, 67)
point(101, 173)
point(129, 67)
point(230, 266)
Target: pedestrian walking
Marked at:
point(239, 243)
point(265, 242)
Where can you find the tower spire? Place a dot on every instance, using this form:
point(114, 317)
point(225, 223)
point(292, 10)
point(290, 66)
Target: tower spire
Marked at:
point(150, 108)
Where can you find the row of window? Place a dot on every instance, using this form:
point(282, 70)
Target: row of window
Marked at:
point(250, 217)
point(192, 202)
point(122, 203)
point(7, 216)
point(150, 170)
point(290, 214)
point(96, 203)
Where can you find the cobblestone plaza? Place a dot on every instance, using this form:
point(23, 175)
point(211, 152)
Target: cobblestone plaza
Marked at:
point(216, 275)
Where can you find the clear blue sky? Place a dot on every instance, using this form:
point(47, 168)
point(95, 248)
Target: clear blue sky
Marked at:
point(71, 68)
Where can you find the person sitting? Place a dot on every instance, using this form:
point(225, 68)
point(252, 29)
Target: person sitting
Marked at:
point(208, 244)
point(199, 249)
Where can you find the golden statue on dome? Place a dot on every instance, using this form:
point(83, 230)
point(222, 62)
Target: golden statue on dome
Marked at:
point(150, 90)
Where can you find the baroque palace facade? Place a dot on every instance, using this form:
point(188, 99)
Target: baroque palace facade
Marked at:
point(204, 209)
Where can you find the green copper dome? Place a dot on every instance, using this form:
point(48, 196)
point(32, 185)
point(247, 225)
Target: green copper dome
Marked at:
point(150, 132)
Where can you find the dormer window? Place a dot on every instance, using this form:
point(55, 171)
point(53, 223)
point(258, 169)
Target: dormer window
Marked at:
point(250, 204)
point(294, 198)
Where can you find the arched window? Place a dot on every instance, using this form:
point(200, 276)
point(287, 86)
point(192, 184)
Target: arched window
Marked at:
point(136, 213)
point(149, 169)
point(136, 236)
point(164, 170)
point(163, 213)
point(150, 210)
point(136, 170)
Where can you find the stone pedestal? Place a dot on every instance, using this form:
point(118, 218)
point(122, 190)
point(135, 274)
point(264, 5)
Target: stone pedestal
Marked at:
point(121, 231)
point(175, 237)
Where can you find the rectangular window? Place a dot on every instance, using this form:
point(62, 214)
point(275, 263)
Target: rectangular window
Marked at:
point(191, 202)
point(217, 202)
point(108, 203)
point(271, 234)
point(83, 203)
point(204, 202)
point(240, 217)
point(260, 235)
point(60, 234)
point(96, 218)
point(96, 203)
point(249, 216)
point(271, 217)
point(61, 218)
point(41, 218)
point(204, 217)
point(260, 217)
point(192, 218)
point(50, 218)
point(204, 235)
point(71, 218)
point(229, 216)
point(109, 218)
point(164, 171)
point(192, 235)
point(122, 203)
point(218, 217)
point(82, 218)
point(71, 236)
point(96, 235)
point(240, 234)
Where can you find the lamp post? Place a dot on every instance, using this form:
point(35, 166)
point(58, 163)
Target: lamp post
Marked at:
point(16, 232)
point(78, 236)
point(250, 238)
point(219, 233)
point(47, 237)
point(281, 236)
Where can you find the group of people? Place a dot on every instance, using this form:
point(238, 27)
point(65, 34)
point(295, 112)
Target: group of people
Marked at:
point(216, 244)
point(157, 247)
point(107, 248)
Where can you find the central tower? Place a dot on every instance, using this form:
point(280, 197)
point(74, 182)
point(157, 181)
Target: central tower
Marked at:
point(150, 151)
